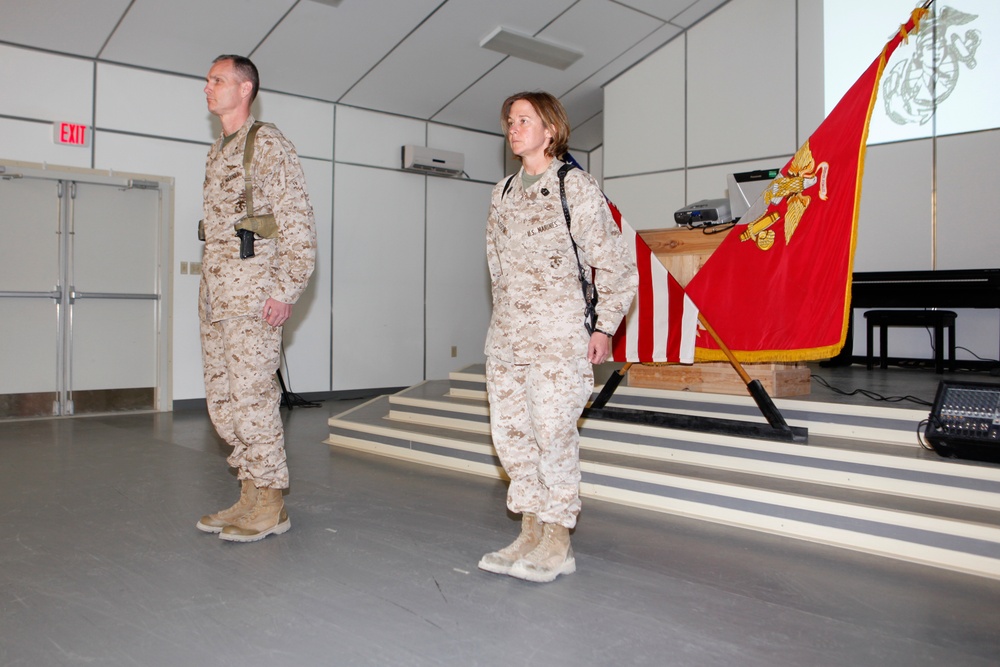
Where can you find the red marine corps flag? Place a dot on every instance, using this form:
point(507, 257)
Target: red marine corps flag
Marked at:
point(778, 288)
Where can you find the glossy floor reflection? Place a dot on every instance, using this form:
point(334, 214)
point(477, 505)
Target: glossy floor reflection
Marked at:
point(100, 563)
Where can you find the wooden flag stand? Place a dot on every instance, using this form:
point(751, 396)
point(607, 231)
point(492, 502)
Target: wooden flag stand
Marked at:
point(775, 429)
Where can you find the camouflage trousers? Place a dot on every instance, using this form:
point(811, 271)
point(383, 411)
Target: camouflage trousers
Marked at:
point(534, 409)
point(240, 358)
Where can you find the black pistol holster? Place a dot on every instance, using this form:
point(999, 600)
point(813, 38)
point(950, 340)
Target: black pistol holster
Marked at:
point(263, 226)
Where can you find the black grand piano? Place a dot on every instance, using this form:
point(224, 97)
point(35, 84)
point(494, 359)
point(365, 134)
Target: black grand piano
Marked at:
point(953, 288)
point(960, 288)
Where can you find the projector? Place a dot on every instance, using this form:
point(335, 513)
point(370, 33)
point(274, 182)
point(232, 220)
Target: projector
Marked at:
point(704, 212)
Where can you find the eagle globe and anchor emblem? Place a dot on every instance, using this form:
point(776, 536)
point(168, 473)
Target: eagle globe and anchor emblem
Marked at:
point(914, 88)
point(803, 175)
point(911, 90)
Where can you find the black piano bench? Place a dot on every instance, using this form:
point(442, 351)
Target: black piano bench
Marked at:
point(938, 319)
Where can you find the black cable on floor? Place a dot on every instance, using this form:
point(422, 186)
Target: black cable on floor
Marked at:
point(921, 429)
point(992, 371)
point(870, 394)
point(289, 398)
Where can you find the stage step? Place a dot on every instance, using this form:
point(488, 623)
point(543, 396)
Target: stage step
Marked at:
point(861, 482)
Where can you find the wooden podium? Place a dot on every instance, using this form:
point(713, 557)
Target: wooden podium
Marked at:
point(683, 252)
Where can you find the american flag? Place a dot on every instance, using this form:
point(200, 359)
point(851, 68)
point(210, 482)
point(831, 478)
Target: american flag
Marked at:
point(662, 324)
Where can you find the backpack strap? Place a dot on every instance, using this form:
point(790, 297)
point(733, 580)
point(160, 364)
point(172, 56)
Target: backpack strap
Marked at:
point(589, 290)
point(563, 170)
point(506, 186)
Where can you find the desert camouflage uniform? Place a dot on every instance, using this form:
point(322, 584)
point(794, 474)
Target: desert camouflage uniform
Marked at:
point(240, 350)
point(537, 374)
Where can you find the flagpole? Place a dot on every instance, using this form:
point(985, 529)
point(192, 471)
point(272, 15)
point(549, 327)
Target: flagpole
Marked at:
point(610, 386)
point(767, 407)
point(756, 389)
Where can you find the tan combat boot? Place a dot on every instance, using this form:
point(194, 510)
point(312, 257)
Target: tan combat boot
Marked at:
point(553, 556)
point(501, 561)
point(267, 516)
point(214, 523)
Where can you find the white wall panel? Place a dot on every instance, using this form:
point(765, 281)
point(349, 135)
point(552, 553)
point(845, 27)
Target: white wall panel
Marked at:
point(968, 232)
point(810, 68)
point(32, 142)
point(596, 164)
point(174, 106)
point(644, 115)
point(378, 278)
point(707, 183)
point(589, 132)
point(375, 139)
point(649, 201)
point(307, 333)
point(45, 86)
point(978, 331)
point(894, 222)
point(741, 82)
point(968, 198)
point(975, 330)
point(582, 157)
point(458, 284)
point(307, 123)
point(161, 105)
point(483, 152)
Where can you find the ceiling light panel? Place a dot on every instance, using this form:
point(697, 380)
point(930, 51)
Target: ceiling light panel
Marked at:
point(507, 41)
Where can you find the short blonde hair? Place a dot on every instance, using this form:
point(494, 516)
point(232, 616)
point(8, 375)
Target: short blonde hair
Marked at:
point(552, 113)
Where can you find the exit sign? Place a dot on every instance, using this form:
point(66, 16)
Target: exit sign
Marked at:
point(70, 134)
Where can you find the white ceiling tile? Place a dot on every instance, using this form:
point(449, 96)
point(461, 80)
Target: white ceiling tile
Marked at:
point(442, 57)
point(415, 58)
point(67, 26)
point(587, 98)
point(322, 51)
point(582, 28)
point(661, 9)
point(697, 12)
point(185, 35)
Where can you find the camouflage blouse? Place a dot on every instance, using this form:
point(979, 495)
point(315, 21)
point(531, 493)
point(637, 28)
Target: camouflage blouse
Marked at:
point(281, 266)
point(538, 306)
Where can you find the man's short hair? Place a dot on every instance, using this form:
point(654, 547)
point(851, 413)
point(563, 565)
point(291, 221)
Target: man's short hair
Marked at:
point(245, 69)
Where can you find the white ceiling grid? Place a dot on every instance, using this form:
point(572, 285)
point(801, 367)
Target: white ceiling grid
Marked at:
point(416, 58)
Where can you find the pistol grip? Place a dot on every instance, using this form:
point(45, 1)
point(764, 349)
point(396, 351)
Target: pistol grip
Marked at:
point(246, 243)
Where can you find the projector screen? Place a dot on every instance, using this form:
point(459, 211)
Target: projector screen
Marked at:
point(959, 40)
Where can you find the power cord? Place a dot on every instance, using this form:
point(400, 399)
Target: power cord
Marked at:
point(288, 397)
point(921, 429)
point(718, 228)
point(870, 394)
point(713, 227)
point(930, 337)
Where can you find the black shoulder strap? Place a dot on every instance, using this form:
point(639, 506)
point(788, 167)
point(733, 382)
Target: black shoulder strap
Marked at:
point(563, 170)
point(506, 186)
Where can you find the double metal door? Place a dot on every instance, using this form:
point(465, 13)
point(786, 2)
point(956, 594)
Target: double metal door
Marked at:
point(80, 293)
